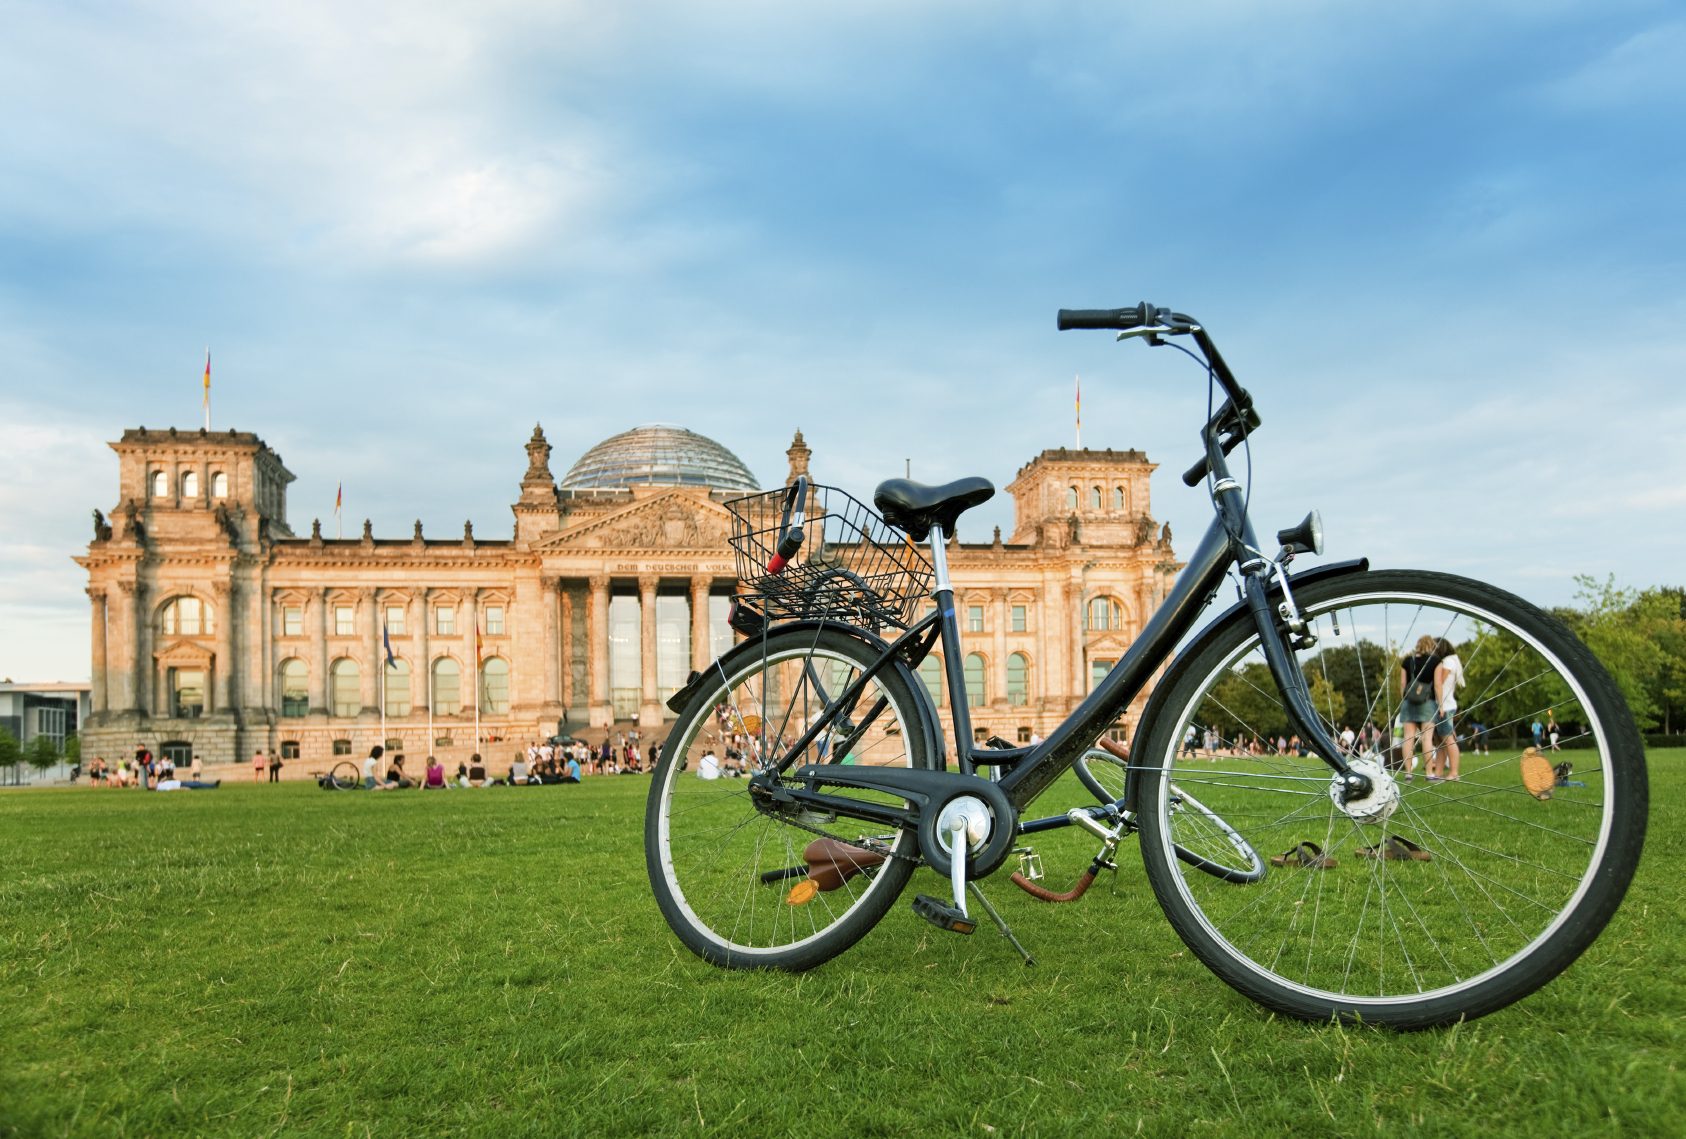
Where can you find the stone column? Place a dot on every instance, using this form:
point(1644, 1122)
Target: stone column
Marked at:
point(319, 649)
point(368, 605)
point(222, 687)
point(550, 603)
point(700, 651)
point(470, 631)
point(142, 638)
point(998, 603)
point(421, 661)
point(601, 713)
point(565, 645)
point(649, 697)
point(97, 665)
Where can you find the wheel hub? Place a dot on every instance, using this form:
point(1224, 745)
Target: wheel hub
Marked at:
point(1373, 806)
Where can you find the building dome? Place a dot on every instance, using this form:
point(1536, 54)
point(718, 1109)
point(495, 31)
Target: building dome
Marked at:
point(659, 453)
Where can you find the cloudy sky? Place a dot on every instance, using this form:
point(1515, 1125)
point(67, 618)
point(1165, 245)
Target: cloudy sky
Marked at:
point(1442, 242)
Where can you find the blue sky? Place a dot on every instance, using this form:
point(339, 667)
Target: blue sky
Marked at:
point(1442, 243)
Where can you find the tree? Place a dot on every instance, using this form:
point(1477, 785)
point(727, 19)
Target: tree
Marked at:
point(10, 750)
point(1619, 626)
point(43, 753)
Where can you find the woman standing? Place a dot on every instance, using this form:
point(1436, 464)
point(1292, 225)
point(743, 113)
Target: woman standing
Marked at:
point(1448, 678)
point(1417, 708)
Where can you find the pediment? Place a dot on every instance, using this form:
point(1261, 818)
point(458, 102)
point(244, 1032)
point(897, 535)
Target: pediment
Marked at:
point(672, 521)
point(1108, 642)
point(185, 654)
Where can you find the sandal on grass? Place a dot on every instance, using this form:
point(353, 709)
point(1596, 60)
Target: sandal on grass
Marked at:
point(1307, 854)
point(1396, 849)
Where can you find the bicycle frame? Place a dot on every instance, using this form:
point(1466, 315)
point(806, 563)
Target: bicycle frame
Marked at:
point(1229, 542)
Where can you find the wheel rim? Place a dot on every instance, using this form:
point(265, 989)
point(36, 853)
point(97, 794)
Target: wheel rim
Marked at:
point(716, 846)
point(1506, 870)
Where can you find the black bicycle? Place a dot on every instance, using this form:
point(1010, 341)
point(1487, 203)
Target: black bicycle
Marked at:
point(807, 774)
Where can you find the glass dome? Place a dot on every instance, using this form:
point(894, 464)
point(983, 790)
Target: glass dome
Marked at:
point(662, 454)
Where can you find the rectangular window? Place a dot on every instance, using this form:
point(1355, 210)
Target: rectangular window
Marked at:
point(187, 693)
point(494, 620)
point(1024, 734)
point(289, 749)
point(1019, 625)
point(342, 747)
point(395, 620)
point(1097, 672)
point(445, 620)
point(974, 619)
point(292, 620)
point(343, 621)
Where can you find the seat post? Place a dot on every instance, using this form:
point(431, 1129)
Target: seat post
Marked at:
point(953, 670)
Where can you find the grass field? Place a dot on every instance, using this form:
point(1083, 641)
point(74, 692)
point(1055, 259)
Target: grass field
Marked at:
point(280, 960)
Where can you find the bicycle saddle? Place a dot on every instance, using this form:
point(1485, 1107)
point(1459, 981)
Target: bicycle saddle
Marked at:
point(915, 507)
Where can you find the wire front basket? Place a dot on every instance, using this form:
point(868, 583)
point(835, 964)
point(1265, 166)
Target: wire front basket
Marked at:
point(852, 566)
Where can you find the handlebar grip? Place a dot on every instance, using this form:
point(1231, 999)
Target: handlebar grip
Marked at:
point(1117, 318)
point(790, 525)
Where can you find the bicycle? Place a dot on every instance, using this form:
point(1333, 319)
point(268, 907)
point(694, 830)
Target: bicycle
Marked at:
point(1392, 901)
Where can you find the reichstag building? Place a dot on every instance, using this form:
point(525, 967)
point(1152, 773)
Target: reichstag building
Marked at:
point(219, 631)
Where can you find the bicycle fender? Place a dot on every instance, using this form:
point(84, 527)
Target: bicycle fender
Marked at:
point(1235, 613)
point(929, 725)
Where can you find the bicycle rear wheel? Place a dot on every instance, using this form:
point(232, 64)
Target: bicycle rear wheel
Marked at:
point(1462, 896)
point(728, 869)
point(1203, 839)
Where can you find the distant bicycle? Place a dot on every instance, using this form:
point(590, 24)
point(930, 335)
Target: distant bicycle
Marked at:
point(1318, 881)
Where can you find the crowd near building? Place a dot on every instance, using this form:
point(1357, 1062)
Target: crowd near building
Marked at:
point(218, 631)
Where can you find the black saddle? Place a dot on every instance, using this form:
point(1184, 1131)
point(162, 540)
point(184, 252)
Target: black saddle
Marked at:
point(915, 507)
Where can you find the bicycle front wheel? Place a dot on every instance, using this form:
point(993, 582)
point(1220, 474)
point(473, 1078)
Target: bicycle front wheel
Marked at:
point(1434, 900)
point(730, 870)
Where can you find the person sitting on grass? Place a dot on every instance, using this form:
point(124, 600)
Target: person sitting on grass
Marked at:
point(476, 771)
point(434, 778)
point(396, 780)
point(571, 773)
point(518, 771)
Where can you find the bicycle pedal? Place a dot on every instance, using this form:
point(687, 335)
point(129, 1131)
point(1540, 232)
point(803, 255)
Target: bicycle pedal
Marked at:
point(942, 915)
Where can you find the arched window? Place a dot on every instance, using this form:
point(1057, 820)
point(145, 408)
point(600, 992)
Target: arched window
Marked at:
point(447, 687)
point(1018, 680)
point(931, 672)
point(295, 687)
point(1094, 498)
point(160, 485)
point(190, 484)
point(397, 681)
point(219, 485)
point(1071, 498)
point(345, 680)
point(1118, 498)
point(1105, 613)
point(185, 617)
point(494, 686)
point(975, 693)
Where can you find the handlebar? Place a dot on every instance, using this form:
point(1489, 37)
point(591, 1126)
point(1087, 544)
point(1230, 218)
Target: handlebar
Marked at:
point(1232, 423)
point(790, 525)
point(1122, 319)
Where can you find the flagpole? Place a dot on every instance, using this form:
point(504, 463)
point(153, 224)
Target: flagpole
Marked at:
point(1079, 412)
point(429, 667)
point(477, 676)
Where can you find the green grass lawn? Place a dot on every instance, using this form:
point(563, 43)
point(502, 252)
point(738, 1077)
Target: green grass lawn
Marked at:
point(263, 960)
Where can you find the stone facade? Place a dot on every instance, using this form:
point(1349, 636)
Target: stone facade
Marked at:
point(217, 631)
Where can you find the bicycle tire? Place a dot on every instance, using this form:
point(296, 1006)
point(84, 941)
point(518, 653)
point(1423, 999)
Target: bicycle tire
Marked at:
point(1512, 889)
point(719, 864)
point(344, 776)
point(1207, 842)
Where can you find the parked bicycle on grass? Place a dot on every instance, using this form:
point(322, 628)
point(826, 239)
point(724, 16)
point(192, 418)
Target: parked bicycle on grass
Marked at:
point(1408, 904)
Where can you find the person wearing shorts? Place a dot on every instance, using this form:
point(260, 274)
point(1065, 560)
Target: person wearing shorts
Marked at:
point(1417, 716)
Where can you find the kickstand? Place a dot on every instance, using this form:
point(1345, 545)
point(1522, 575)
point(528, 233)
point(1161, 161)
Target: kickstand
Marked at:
point(1001, 924)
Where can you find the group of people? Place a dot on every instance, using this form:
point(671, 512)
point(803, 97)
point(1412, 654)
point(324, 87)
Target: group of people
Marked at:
point(538, 765)
point(1429, 681)
point(148, 772)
